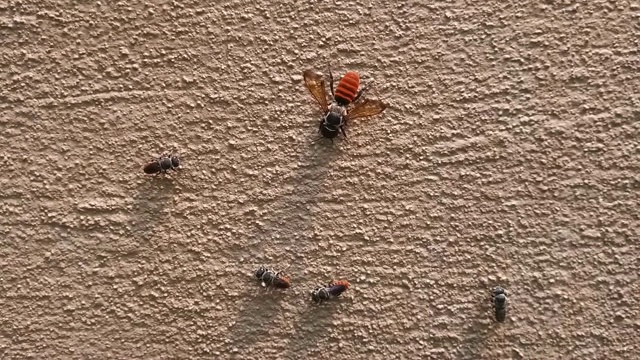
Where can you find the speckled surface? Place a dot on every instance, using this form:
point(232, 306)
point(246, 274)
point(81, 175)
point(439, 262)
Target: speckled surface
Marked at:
point(509, 156)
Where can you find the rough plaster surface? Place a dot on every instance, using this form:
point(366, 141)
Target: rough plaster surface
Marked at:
point(509, 156)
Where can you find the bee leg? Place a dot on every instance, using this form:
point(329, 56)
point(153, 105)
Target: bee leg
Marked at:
point(331, 83)
point(360, 92)
point(343, 133)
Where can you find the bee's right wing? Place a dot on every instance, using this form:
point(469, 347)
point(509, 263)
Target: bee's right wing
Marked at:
point(366, 108)
point(315, 84)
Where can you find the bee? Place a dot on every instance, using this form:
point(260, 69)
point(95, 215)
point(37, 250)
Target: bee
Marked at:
point(334, 289)
point(500, 303)
point(344, 106)
point(165, 162)
point(269, 277)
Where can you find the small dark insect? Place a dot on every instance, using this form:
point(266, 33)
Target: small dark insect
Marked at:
point(500, 303)
point(345, 105)
point(334, 289)
point(269, 277)
point(164, 163)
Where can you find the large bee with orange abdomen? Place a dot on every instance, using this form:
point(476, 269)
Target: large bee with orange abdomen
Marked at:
point(335, 289)
point(345, 105)
point(269, 277)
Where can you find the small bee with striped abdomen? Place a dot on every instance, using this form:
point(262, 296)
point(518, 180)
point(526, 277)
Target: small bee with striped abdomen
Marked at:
point(335, 289)
point(165, 162)
point(345, 105)
point(268, 277)
point(500, 303)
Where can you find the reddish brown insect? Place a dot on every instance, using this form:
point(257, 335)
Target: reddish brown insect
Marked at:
point(345, 105)
point(163, 164)
point(269, 277)
point(334, 289)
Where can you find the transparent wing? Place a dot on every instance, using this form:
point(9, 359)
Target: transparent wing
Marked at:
point(366, 108)
point(315, 84)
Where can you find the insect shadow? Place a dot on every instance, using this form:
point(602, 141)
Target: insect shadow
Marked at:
point(290, 215)
point(311, 328)
point(253, 322)
point(150, 201)
point(484, 334)
point(145, 219)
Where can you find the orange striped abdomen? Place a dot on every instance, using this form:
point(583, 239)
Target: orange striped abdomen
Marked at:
point(347, 88)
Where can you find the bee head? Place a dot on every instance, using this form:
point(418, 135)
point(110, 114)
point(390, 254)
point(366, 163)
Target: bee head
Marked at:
point(314, 296)
point(498, 290)
point(175, 161)
point(260, 272)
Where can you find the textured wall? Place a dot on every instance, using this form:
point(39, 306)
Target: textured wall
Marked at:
point(509, 155)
